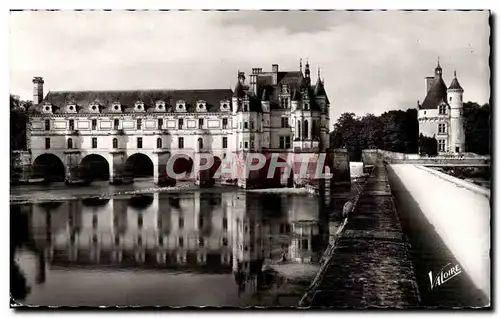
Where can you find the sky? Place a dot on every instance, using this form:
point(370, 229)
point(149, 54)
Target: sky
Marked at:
point(371, 61)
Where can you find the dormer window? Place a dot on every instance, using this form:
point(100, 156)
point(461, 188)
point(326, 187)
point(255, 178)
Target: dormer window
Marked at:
point(285, 89)
point(306, 106)
point(160, 105)
point(116, 106)
point(201, 106)
point(245, 107)
point(224, 105)
point(94, 107)
point(139, 106)
point(47, 108)
point(71, 108)
point(181, 106)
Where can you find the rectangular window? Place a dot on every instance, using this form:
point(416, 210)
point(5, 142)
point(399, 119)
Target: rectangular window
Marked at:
point(251, 144)
point(94, 124)
point(282, 142)
point(284, 122)
point(71, 124)
point(94, 142)
point(224, 142)
point(181, 142)
point(246, 144)
point(160, 123)
point(442, 128)
point(201, 242)
point(442, 110)
point(47, 143)
point(139, 142)
point(139, 124)
point(181, 242)
point(181, 123)
point(200, 122)
point(181, 222)
point(47, 124)
point(245, 126)
point(116, 124)
point(287, 142)
point(441, 145)
point(251, 125)
point(224, 123)
point(224, 223)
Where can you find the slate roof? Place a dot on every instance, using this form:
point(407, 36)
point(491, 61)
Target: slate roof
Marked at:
point(455, 84)
point(294, 80)
point(128, 98)
point(436, 94)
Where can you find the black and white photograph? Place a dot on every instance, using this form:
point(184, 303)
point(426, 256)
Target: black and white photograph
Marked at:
point(336, 159)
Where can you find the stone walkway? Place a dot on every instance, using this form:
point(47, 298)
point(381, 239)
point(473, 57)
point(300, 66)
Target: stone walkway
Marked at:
point(370, 266)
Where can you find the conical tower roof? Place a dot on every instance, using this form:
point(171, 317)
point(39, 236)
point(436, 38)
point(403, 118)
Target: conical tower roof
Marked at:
point(455, 84)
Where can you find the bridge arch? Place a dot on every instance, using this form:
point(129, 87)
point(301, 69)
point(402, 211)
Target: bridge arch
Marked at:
point(94, 167)
point(139, 165)
point(49, 167)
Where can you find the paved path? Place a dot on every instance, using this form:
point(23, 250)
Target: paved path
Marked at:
point(370, 266)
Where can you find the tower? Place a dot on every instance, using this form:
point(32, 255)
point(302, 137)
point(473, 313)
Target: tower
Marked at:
point(457, 131)
point(37, 90)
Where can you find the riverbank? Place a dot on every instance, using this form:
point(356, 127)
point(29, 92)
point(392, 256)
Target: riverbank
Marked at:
point(102, 189)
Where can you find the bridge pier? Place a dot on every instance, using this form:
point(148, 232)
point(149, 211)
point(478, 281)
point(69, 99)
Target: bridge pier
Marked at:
point(72, 162)
point(160, 175)
point(117, 168)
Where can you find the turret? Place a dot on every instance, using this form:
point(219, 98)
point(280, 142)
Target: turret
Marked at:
point(307, 75)
point(455, 100)
point(239, 91)
point(265, 101)
point(438, 71)
point(295, 100)
point(37, 90)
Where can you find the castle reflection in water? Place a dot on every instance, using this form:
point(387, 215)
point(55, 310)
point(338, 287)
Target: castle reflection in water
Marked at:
point(220, 232)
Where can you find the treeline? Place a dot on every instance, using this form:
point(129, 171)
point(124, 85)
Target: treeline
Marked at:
point(18, 120)
point(398, 131)
point(395, 130)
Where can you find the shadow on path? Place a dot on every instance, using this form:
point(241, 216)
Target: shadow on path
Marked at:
point(429, 253)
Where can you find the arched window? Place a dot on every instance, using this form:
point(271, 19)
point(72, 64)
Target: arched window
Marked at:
point(306, 129)
point(70, 143)
point(200, 143)
point(159, 143)
point(313, 128)
point(115, 143)
point(298, 128)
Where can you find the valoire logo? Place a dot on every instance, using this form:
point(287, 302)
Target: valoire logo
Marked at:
point(445, 274)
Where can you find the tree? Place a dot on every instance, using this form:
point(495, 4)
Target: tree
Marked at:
point(477, 124)
point(395, 130)
point(428, 146)
point(18, 120)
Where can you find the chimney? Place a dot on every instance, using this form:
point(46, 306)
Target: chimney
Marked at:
point(428, 82)
point(275, 74)
point(37, 90)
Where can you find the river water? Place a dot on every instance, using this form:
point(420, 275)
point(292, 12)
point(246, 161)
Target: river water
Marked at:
point(187, 248)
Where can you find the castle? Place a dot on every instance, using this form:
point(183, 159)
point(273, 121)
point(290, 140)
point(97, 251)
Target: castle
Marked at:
point(119, 135)
point(441, 113)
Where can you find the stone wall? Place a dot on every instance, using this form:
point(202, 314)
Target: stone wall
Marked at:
point(372, 156)
point(20, 167)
